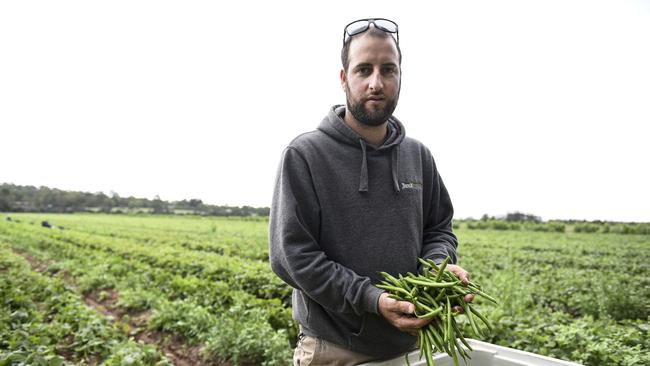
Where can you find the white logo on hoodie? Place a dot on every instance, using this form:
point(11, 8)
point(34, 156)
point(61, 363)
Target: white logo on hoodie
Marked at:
point(411, 185)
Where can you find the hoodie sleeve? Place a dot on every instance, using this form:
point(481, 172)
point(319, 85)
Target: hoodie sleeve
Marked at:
point(439, 241)
point(295, 255)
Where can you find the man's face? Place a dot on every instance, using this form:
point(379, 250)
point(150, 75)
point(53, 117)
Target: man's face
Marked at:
point(372, 81)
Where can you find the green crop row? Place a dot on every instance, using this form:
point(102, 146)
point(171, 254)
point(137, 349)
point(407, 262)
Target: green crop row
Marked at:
point(247, 275)
point(579, 297)
point(43, 322)
point(245, 239)
point(182, 304)
point(566, 293)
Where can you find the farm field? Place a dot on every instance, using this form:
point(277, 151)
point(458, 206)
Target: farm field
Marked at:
point(185, 290)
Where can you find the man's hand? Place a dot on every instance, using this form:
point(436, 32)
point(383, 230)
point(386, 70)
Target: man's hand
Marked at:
point(463, 276)
point(401, 314)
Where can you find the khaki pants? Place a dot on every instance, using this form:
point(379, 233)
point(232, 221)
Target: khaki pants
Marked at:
point(312, 351)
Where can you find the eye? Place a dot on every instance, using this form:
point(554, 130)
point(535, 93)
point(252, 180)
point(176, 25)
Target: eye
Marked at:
point(389, 70)
point(364, 70)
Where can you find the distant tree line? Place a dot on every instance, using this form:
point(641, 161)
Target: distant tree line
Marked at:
point(529, 222)
point(514, 216)
point(15, 198)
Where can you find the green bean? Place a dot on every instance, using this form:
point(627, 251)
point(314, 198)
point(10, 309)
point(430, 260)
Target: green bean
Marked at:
point(480, 316)
point(435, 291)
point(488, 297)
point(392, 279)
point(414, 291)
point(404, 283)
point(421, 341)
point(427, 351)
point(430, 263)
point(396, 297)
point(428, 283)
point(461, 351)
point(428, 274)
point(449, 317)
point(460, 335)
point(430, 314)
point(477, 290)
point(431, 300)
point(432, 340)
point(440, 343)
point(418, 303)
point(393, 288)
point(460, 290)
point(441, 295)
point(442, 269)
point(453, 352)
point(470, 316)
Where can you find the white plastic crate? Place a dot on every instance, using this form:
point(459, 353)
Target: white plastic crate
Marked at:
point(483, 354)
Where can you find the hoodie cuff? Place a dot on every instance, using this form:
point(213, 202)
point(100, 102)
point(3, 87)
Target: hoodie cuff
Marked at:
point(371, 300)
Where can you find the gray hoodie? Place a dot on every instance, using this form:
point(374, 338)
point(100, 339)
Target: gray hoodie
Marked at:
point(342, 212)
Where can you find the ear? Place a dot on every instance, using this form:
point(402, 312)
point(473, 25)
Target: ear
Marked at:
point(344, 79)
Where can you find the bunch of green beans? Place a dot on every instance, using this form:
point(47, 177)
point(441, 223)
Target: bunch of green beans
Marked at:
point(434, 293)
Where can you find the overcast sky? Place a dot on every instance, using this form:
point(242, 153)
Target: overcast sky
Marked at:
point(541, 107)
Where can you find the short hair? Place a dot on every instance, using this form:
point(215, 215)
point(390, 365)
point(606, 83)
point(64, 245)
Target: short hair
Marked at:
point(373, 32)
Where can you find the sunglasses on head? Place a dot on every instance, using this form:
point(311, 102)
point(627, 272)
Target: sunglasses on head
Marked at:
point(362, 25)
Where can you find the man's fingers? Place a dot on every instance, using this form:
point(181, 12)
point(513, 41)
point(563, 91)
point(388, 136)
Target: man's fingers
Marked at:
point(467, 275)
point(462, 274)
point(408, 324)
point(401, 314)
point(405, 307)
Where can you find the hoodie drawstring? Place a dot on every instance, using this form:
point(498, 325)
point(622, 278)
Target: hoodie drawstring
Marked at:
point(394, 164)
point(363, 179)
point(394, 167)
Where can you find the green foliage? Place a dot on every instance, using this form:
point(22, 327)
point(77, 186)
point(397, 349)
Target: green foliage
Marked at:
point(586, 228)
point(130, 354)
point(137, 299)
point(244, 334)
point(574, 295)
point(42, 322)
point(174, 274)
point(183, 317)
point(556, 226)
point(579, 297)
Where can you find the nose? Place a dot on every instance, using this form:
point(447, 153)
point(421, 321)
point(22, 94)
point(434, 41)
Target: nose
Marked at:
point(375, 83)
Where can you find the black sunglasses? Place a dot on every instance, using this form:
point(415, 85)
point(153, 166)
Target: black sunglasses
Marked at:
point(362, 25)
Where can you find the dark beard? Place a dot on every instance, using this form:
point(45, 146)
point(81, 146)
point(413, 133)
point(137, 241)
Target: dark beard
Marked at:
point(371, 118)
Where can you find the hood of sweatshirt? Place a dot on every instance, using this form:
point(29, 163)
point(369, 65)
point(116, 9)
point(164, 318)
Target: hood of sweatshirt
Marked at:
point(334, 126)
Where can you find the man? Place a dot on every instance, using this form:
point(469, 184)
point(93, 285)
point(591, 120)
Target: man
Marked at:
point(353, 198)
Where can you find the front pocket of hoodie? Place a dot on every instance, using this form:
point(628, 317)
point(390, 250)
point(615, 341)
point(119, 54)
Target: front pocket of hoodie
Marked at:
point(362, 328)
